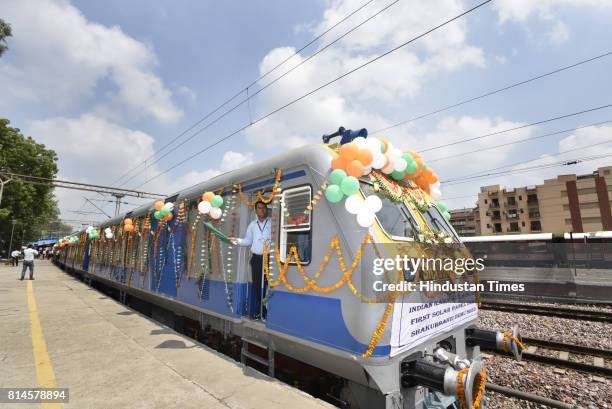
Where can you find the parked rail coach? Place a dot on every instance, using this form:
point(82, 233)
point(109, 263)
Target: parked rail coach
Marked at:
point(333, 208)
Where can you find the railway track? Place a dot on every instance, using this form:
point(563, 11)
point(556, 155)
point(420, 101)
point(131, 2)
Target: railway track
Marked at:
point(537, 352)
point(562, 312)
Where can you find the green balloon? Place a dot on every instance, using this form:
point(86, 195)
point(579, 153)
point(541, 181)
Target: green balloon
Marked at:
point(446, 215)
point(164, 211)
point(337, 176)
point(157, 215)
point(333, 193)
point(442, 206)
point(397, 175)
point(350, 185)
point(424, 167)
point(412, 166)
point(217, 201)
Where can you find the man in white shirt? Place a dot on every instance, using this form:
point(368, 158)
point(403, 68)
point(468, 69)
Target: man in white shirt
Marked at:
point(258, 232)
point(28, 261)
point(15, 258)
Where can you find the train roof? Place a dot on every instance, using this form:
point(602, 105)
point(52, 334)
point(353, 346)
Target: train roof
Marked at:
point(536, 236)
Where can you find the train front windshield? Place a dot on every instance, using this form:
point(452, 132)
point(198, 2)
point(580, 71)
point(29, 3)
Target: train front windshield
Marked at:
point(436, 221)
point(394, 217)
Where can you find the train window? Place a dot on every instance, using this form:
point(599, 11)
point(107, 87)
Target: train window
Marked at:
point(393, 217)
point(436, 221)
point(296, 227)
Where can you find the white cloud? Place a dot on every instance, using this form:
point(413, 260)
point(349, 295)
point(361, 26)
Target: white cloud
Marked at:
point(558, 34)
point(188, 93)
point(59, 57)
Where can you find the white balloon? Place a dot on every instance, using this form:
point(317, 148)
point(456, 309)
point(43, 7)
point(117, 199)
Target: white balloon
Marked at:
point(394, 154)
point(365, 218)
point(389, 167)
point(435, 185)
point(374, 144)
point(435, 194)
point(108, 230)
point(89, 229)
point(204, 207)
point(360, 141)
point(379, 160)
point(216, 213)
point(109, 236)
point(400, 165)
point(353, 204)
point(169, 206)
point(367, 170)
point(373, 203)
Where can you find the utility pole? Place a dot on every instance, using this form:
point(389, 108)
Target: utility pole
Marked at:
point(118, 197)
point(12, 231)
point(2, 183)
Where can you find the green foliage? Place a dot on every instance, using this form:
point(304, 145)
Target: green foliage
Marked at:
point(33, 206)
point(5, 31)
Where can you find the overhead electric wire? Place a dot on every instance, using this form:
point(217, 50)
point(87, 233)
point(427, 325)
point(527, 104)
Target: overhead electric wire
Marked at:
point(460, 141)
point(251, 96)
point(446, 22)
point(487, 94)
point(531, 138)
point(243, 89)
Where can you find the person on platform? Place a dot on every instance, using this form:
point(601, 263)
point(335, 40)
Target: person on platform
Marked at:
point(28, 261)
point(257, 234)
point(15, 258)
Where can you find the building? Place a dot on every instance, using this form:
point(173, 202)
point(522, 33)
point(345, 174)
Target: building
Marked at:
point(464, 222)
point(569, 203)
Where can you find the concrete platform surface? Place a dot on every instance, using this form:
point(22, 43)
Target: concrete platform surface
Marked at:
point(112, 357)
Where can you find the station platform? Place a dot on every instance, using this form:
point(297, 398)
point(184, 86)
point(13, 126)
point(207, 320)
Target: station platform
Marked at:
point(57, 332)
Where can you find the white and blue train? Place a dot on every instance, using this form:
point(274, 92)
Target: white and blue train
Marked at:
point(322, 325)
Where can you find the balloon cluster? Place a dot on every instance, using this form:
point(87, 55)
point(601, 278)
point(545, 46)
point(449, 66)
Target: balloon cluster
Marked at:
point(108, 233)
point(92, 233)
point(163, 211)
point(211, 205)
point(128, 225)
point(364, 209)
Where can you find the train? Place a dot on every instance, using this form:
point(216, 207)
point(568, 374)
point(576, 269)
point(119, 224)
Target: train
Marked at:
point(322, 322)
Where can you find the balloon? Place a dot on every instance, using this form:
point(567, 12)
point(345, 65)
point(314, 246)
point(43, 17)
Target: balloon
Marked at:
point(360, 141)
point(216, 213)
point(446, 215)
point(349, 186)
point(349, 151)
point(158, 205)
point(419, 163)
point(353, 204)
point(397, 175)
point(374, 144)
point(355, 169)
point(411, 167)
point(333, 193)
point(337, 176)
point(365, 156)
point(217, 201)
point(169, 206)
point(365, 218)
point(208, 196)
point(164, 212)
point(204, 207)
point(89, 229)
point(384, 147)
point(379, 161)
point(394, 154)
point(127, 221)
point(339, 163)
point(435, 193)
point(109, 235)
point(388, 168)
point(157, 215)
point(373, 203)
point(168, 217)
point(128, 227)
point(400, 165)
point(367, 170)
point(436, 185)
point(442, 206)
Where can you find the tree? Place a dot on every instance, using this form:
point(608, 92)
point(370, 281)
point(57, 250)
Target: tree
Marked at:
point(33, 206)
point(5, 31)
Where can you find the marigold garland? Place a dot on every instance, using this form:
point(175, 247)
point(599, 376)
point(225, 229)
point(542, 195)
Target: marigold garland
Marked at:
point(260, 197)
point(461, 388)
point(508, 335)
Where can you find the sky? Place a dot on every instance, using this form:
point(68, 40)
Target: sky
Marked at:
point(108, 85)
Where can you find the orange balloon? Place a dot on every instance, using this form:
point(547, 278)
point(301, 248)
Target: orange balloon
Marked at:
point(349, 151)
point(128, 228)
point(158, 205)
point(208, 196)
point(419, 162)
point(355, 169)
point(365, 156)
point(339, 163)
point(430, 176)
point(127, 221)
point(168, 217)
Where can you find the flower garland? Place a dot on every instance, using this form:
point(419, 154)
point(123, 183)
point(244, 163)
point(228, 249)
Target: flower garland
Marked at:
point(193, 238)
point(461, 388)
point(259, 196)
point(387, 188)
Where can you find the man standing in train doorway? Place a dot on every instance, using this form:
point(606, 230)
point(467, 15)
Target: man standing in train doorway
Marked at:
point(257, 234)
